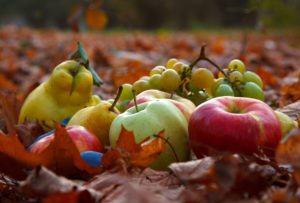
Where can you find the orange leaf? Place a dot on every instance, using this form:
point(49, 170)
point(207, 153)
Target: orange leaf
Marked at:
point(149, 152)
point(267, 77)
point(95, 18)
point(15, 158)
point(63, 157)
point(288, 151)
point(143, 153)
point(126, 141)
point(5, 83)
point(110, 158)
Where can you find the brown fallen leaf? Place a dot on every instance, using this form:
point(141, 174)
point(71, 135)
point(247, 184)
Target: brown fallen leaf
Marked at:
point(193, 170)
point(292, 110)
point(137, 186)
point(42, 182)
point(10, 107)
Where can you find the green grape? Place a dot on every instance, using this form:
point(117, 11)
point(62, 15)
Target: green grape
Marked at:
point(157, 70)
point(177, 66)
point(171, 62)
point(193, 89)
point(198, 98)
point(250, 76)
point(216, 84)
point(147, 78)
point(155, 82)
point(224, 90)
point(202, 78)
point(236, 76)
point(140, 86)
point(170, 80)
point(252, 90)
point(238, 65)
point(126, 92)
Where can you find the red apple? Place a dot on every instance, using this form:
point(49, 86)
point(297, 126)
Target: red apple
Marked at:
point(235, 124)
point(82, 138)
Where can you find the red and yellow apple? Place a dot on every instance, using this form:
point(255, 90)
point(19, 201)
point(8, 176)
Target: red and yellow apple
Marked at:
point(235, 124)
point(82, 138)
point(184, 105)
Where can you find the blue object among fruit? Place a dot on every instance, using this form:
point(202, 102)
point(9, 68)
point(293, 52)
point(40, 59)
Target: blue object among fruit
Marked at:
point(92, 158)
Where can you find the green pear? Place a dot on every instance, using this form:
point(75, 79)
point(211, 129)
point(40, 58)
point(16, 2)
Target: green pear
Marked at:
point(97, 119)
point(68, 90)
point(286, 122)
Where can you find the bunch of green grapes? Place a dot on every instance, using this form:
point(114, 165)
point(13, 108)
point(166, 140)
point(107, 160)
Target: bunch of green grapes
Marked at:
point(177, 77)
point(237, 81)
point(166, 78)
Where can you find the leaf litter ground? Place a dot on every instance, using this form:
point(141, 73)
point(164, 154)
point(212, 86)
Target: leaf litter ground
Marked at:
point(28, 56)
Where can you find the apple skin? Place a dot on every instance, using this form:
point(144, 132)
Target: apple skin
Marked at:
point(184, 105)
point(68, 89)
point(82, 138)
point(152, 118)
point(235, 124)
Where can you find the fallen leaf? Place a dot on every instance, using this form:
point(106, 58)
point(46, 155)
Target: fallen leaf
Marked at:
point(10, 107)
point(288, 151)
point(44, 183)
point(16, 157)
point(63, 157)
point(143, 153)
point(60, 156)
point(267, 77)
point(192, 171)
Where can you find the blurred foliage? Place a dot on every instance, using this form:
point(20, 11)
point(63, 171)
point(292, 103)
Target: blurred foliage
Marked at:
point(154, 14)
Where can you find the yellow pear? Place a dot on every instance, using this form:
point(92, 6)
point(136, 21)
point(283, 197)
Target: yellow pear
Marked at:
point(68, 90)
point(97, 119)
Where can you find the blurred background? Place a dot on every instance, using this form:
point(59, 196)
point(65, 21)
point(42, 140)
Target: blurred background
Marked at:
point(125, 39)
point(151, 14)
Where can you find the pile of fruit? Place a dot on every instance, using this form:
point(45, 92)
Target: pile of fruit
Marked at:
point(184, 106)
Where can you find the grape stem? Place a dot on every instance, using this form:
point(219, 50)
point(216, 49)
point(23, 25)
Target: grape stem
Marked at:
point(134, 100)
point(203, 57)
point(120, 89)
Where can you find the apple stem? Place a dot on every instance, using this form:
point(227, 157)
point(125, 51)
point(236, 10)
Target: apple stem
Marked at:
point(171, 146)
point(134, 100)
point(202, 56)
point(120, 89)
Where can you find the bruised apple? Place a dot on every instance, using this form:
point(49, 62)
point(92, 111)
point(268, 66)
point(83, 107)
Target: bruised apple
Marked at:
point(235, 124)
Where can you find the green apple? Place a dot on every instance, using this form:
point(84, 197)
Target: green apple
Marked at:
point(68, 90)
point(150, 118)
point(97, 119)
point(286, 122)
